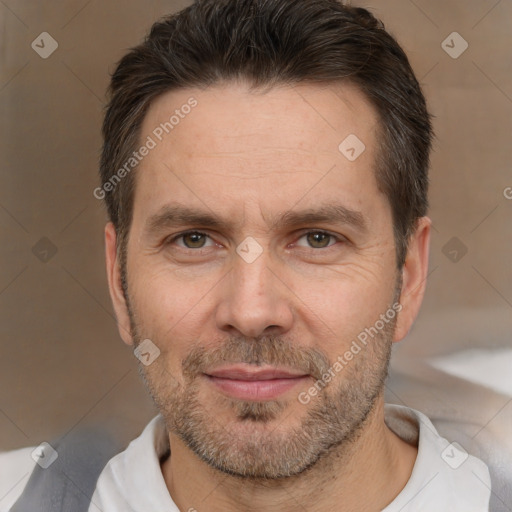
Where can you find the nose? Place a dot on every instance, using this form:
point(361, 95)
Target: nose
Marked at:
point(254, 300)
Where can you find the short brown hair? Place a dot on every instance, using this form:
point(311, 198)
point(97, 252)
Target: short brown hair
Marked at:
point(267, 43)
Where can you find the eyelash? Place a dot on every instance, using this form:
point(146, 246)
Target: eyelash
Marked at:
point(337, 238)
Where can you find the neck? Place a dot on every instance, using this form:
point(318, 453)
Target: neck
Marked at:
point(366, 474)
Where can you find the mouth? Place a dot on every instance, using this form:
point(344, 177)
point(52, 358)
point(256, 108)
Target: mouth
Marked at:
point(257, 383)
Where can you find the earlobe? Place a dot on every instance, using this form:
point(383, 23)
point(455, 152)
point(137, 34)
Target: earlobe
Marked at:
point(414, 278)
point(114, 284)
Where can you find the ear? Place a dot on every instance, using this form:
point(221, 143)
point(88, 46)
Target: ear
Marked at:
point(414, 278)
point(114, 284)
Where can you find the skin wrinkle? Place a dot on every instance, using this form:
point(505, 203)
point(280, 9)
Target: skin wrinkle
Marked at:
point(341, 218)
point(253, 178)
point(286, 307)
point(269, 166)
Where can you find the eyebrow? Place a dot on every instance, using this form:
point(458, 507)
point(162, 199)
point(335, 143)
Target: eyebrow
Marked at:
point(171, 216)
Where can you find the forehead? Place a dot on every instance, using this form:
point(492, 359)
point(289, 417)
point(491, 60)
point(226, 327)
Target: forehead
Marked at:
point(302, 117)
point(225, 147)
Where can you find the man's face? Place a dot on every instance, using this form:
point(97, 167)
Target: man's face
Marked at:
point(277, 253)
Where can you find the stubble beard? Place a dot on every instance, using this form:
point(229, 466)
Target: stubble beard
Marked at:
point(264, 449)
point(256, 443)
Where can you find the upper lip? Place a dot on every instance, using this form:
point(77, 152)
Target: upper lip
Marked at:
point(252, 372)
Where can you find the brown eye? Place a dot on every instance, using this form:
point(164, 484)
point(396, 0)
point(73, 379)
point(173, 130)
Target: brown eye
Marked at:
point(318, 239)
point(194, 240)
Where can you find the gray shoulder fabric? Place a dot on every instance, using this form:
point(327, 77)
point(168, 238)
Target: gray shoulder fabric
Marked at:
point(67, 485)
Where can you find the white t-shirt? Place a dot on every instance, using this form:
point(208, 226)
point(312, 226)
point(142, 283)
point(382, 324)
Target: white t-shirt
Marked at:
point(444, 478)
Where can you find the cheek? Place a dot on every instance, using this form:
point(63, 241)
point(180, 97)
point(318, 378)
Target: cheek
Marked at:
point(338, 311)
point(169, 308)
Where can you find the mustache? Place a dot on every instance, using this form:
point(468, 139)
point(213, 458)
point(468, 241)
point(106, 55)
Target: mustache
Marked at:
point(264, 350)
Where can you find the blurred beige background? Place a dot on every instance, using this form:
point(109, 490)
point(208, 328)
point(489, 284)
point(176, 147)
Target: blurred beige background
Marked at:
point(62, 362)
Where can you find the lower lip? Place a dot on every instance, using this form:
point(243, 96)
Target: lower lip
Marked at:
point(255, 389)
